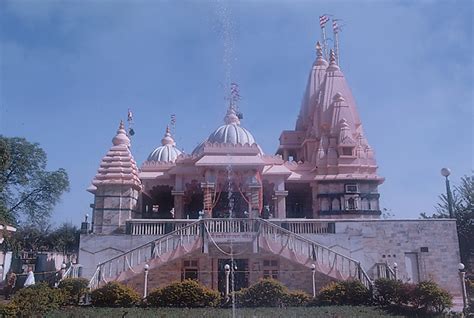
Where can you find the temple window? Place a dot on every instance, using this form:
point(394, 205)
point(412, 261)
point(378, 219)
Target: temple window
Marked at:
point(365, 204)
point(351, 204)
point(347, 151)
point(336, 206)
point(324, 204)
point(352, 188)
point(270, 269)
point(190, 270)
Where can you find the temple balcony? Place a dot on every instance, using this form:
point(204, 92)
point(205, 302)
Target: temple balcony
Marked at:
point(225, 225)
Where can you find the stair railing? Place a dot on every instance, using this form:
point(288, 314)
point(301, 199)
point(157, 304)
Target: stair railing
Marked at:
point(329, 261)
point(111, 269)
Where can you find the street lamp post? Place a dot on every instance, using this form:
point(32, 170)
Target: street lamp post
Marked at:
point(145, 284)
point(313, 271)
point(445, 172)
point(462, 276)
point(227, 272)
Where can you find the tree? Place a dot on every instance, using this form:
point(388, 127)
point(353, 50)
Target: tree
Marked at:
point(28, 191)
point(463, 209)
point(63, 239)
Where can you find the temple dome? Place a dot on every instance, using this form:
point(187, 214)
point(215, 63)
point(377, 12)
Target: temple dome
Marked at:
point(229, 133)
point(167, 152)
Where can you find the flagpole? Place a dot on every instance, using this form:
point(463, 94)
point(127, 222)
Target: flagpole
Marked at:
point(325, 51)
point(336, 28)
point(323, 19)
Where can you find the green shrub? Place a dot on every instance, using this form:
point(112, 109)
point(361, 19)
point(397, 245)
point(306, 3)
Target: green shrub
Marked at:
point(429, 297)
point(265, 293)
point(387, 291)
point(350, 292)
point(296, 299)
point(406, 294)
point(9, 309)
point(74, 289)
point(188, 293)
point(37, 300)
point(114, 294)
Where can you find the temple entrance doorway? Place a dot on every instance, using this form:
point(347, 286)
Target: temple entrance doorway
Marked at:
point(236, 203)
point(193, 200)
point(268, 210)
point(158, 203)
point(241, 274)
point(299, 202)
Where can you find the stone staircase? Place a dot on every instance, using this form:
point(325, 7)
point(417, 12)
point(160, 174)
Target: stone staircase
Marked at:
point(260, 233)
point(167, 248)
point(304, 251)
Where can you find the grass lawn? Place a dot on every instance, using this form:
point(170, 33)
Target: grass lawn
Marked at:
point(297, 312)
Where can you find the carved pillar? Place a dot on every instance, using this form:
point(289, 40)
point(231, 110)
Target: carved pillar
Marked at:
point(208, 189)
point(178, 204)
point(280, 194)
point(255, 200)
point(281, 204)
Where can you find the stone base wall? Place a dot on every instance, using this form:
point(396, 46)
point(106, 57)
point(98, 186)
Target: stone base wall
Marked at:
point(431, 244)
point(428, 249)
point(294, 276)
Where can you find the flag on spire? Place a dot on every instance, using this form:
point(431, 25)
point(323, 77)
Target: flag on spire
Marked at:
point(173, 123)
point(335, 26)
point(323, 19)
point(131, 132)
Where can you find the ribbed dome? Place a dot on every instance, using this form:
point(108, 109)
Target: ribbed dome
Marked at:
point(167, 152)
point(230, 133)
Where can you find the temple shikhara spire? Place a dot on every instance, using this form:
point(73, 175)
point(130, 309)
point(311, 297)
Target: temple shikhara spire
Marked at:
point(329, 141)
point(302, 208)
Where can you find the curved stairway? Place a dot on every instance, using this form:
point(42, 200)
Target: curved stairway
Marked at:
point(262, 233)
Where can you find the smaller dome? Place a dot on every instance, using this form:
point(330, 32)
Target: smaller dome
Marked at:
point(167, 152)
point(229, 133)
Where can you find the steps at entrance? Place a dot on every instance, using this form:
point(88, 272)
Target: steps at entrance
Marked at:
point(301, 250)
point(198, 235)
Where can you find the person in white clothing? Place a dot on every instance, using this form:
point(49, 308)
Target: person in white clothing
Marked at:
point(30, 279)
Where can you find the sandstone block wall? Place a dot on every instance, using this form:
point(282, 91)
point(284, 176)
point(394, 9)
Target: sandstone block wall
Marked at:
point(434, 244)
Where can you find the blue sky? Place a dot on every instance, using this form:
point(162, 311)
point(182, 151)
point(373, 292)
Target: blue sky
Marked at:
point(69, 70)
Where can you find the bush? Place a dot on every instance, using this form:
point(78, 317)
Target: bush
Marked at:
point(37, 300)
point(9, 310)
point(270, 293)
point(350, 292)
point(388, 291)
point(114, 294)
point(429, 297)
point(265, 293)
point(188, 293)
point(74, 289)
point(296, 299)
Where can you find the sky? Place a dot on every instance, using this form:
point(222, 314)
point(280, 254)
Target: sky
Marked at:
point(69, 71)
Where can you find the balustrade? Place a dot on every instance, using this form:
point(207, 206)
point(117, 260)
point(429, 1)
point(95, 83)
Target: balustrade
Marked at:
point(219, 225)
